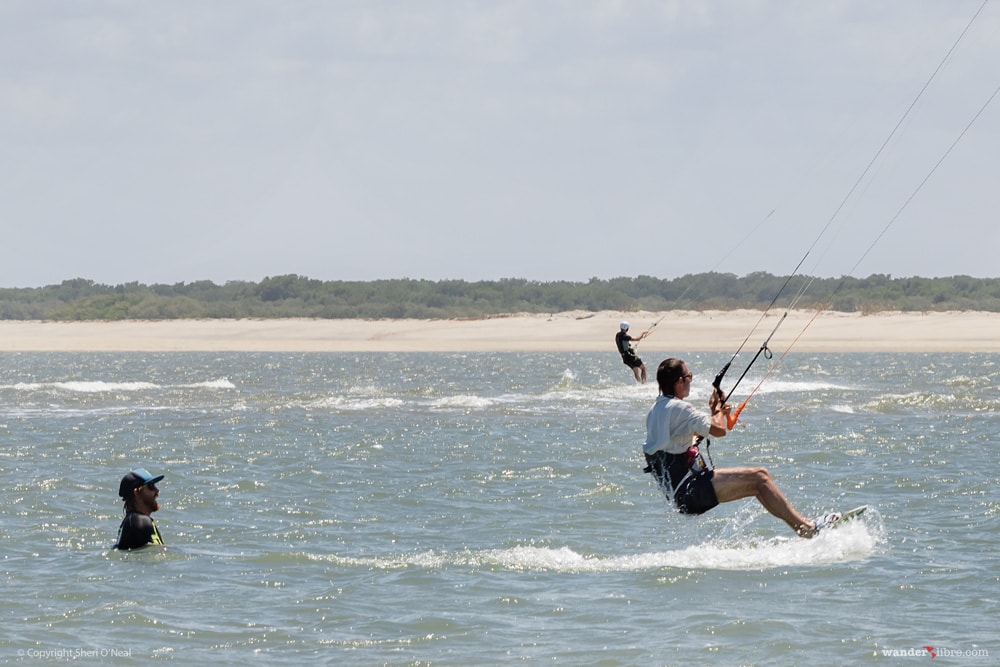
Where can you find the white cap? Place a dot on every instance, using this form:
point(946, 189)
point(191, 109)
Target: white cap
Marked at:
point(624, 326)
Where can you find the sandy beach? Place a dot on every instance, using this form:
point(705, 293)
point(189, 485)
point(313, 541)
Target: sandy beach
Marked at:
point(679, 331)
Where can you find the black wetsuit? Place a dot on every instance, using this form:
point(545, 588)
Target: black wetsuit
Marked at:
point(137, 530)
point(624, 343)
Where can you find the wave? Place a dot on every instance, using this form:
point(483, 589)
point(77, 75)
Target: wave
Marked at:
point(789, 386)
point(569, 379)
point(463, 401)
point(352, 404)
point(101, 386)
point(221, 383)
point(85, 386)
point(564, 392)
point(853, 542)
point(927, 401)
point(516, 402)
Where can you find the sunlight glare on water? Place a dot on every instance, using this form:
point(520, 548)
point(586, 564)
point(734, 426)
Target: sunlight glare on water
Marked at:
point(474, 508)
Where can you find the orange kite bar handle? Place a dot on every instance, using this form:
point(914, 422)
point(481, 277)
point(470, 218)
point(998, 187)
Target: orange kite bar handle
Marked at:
point(735, 416)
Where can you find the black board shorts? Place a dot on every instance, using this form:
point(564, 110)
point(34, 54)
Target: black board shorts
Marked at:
point(696, 495)
point(632, 361)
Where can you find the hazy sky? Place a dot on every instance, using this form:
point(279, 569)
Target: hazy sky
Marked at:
point(166, 142)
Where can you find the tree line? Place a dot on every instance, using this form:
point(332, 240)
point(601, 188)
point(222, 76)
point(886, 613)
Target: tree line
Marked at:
point(298, 296)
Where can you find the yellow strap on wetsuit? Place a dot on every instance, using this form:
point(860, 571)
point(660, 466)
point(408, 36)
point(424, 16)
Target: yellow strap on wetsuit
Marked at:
point(155, 537)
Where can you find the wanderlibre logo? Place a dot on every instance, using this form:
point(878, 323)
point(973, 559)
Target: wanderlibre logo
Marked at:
point(934, 652)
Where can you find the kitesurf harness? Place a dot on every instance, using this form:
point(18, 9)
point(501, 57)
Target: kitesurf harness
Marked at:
point(626, 347)
point(672, 471)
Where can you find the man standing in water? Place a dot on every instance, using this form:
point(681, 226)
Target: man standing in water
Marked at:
point(674, 428)
point(629, 358)
point(139, 491)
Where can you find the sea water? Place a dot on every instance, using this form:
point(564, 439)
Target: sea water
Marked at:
point(472, 509)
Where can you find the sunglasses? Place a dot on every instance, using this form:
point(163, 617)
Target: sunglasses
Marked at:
point(151, 486)
point(687, 377)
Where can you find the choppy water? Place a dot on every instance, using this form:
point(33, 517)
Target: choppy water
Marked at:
point(460, 509)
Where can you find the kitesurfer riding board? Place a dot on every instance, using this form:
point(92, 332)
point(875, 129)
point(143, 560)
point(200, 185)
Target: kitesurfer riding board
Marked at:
point(624, 343)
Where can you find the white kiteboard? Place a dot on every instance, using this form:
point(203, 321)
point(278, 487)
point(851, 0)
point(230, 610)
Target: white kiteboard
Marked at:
point(835, 519)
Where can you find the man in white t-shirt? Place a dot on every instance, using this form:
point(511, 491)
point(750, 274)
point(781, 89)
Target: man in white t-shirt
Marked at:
point(674, 428)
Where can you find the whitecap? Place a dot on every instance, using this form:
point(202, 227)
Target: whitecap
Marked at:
point(351, 404)
point(221, 383)
point(97, 386)
point(855, 541)
point(462, 401)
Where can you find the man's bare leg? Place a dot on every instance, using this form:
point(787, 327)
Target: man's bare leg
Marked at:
point(736, 483)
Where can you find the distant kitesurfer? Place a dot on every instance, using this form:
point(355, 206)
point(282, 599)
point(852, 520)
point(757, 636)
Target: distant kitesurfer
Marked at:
point(139, 491)
point(674, 428)
point(629, 357)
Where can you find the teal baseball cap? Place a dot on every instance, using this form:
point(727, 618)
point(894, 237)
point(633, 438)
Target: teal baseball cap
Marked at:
point(136, 478)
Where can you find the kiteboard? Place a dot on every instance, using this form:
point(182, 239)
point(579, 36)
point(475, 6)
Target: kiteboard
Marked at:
point(836, 519)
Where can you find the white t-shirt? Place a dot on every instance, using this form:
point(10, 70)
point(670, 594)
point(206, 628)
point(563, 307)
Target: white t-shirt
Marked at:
point(672, 424)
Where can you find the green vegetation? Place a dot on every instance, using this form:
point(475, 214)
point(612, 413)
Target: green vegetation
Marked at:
point(298, 296)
